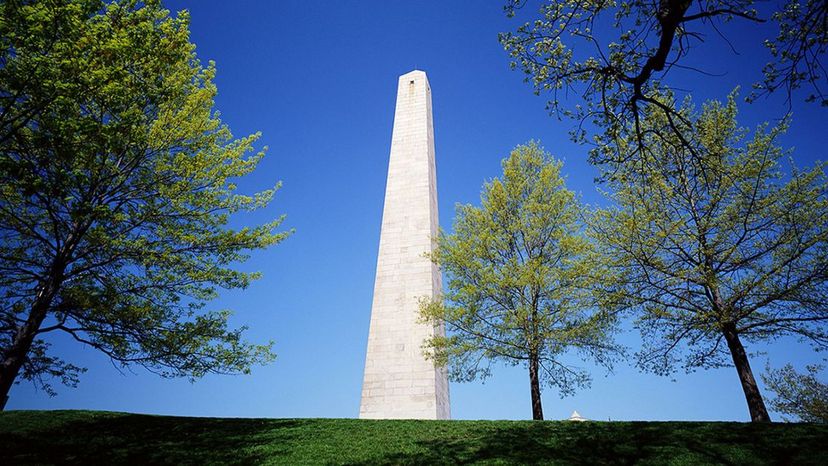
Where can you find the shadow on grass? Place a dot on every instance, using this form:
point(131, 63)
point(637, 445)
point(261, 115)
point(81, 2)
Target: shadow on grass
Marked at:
point(595, 443)
point(111, 438)
point(84, 437)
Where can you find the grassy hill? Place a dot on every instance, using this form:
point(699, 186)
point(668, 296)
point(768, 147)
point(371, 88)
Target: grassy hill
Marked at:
point(28, 437)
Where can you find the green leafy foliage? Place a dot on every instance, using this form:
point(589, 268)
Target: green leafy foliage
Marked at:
point(716, 245)
point(798, 50)
point(520, 277)
point(802, 396)
point(117, 183)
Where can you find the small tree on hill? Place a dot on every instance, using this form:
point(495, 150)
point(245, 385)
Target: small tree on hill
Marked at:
point(116, 183)
point(519, 276)
point(717, 248)
point(800, 395)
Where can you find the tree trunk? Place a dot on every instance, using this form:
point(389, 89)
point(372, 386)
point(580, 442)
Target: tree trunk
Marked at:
point(534, 384)
point(15, 355)
point(756, 405)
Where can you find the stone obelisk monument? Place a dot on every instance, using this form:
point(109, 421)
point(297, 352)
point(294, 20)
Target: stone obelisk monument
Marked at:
point(399, 383)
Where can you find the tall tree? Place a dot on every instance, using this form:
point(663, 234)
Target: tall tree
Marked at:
point(717, 248)
point(117, 181)
point(519, 275)
point(616, 55)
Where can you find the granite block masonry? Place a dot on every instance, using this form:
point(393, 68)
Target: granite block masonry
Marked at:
point(399, 383)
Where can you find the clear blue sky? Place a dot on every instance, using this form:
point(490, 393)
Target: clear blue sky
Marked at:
point(318, 80)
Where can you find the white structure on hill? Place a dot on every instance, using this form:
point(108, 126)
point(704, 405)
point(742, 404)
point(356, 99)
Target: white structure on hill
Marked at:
point(398, 381)
point(577, 417)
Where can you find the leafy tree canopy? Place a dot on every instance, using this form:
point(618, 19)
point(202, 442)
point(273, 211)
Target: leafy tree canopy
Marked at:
point(117, 182)
point(802, 396)
point(616, 55)
point(520, 277)
point(717, 246)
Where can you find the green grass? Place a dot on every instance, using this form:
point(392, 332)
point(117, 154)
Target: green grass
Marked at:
point(40, 437)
